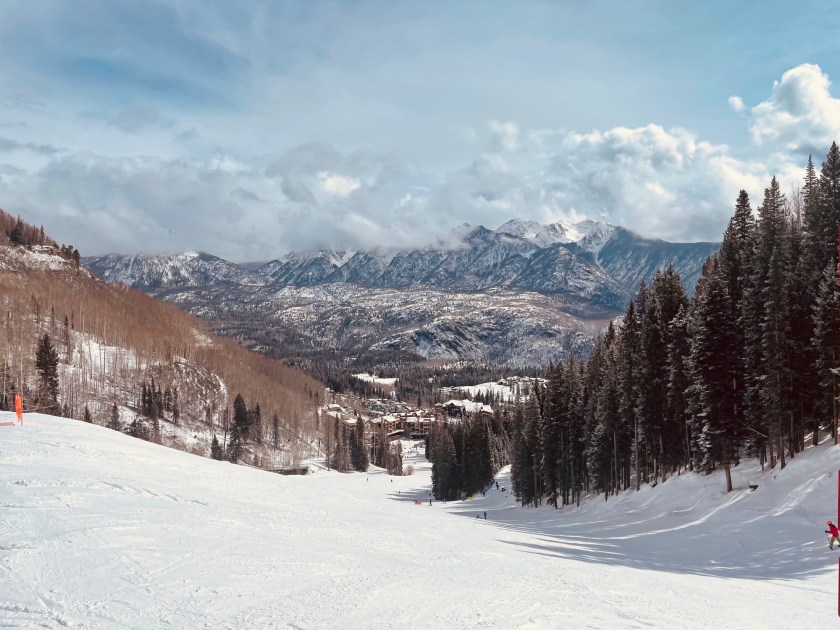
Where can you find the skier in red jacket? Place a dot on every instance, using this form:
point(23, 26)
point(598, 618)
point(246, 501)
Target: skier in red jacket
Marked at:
point(835, 534)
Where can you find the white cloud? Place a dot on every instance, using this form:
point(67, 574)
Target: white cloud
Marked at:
point(338, 185)
point(665, 183)
point(503, 136)
point(736, 103)
point(661, 183)
point(227, 164)
point(800, 115)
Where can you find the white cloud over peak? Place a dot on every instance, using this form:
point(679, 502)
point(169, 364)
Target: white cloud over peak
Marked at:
point(800, 115)
point(662, 182)
point(658, 182)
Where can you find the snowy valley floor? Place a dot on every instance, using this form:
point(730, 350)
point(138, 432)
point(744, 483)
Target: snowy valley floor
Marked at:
point(101, 530)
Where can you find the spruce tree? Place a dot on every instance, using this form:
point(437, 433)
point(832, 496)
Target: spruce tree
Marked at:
point(718, 434)
point(359, 454)
point(679, 348)
point(239, 430)
point(46, 364)
point(551, 433)
point(216, 449)
point(826, 348)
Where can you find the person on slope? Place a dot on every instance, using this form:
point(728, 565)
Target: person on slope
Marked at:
point(835, 534)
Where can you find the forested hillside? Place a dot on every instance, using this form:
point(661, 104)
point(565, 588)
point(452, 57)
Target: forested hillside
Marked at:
point(743, 368)
point(76, 346)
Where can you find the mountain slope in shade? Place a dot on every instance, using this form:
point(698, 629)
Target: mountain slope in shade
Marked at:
point(559, 270)
point(629, 258)
point(305, 268)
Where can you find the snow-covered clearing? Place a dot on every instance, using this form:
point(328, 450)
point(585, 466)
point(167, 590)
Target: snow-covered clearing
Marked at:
point(506, 390)
point(372, 378)
point(101, 530)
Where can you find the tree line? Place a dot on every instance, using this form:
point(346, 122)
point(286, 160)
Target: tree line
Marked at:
point(744, 367)
point(15, 231)
point(467, 454)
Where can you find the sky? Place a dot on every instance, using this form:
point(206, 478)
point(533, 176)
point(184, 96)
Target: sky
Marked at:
point(251, 129)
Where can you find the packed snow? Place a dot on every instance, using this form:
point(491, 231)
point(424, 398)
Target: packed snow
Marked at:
point(98, 529)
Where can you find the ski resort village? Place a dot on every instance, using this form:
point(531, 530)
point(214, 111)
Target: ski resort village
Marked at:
point(370, 315)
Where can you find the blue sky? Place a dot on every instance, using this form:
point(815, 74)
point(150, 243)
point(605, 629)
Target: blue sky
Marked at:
point(247, 129)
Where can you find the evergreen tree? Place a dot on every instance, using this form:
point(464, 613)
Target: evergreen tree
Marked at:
point(115, 418)
point(46, 364)
point(826, 347)
point(239, 430)
point(255, 424)
point(552, 433)
point(716, 432)
point(679, 348)
point(394, 463)
point(176, 409)
point(341, 460)
point(358, 450)
point(275, 430)
point(86, 416)
point(773, 263)
point(444, 487)
point(216, 449)
point(830, 192)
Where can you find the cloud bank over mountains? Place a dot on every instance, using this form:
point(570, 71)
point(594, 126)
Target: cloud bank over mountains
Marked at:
point(169, 188)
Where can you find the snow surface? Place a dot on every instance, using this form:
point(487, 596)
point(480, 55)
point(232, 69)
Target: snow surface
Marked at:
point(372, 378)
point(502, 389)
point(101, 530)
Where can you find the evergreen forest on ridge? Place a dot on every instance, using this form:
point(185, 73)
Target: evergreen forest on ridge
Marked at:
point(744, 368)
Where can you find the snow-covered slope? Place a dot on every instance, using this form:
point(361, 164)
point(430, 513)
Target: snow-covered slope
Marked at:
point(539, 234)
point(306, 268)
point(521, 327)
point(100, 530)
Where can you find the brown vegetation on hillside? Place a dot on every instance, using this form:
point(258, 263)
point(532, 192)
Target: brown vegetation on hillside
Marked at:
point(110, 339)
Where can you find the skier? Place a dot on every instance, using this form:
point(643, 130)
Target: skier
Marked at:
point(835, 534)
point(485, 516)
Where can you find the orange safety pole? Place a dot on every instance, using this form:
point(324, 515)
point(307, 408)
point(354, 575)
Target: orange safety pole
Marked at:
point(19, 408)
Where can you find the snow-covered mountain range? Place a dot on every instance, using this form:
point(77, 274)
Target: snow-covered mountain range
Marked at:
point(445, 301)
point(187, 269)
